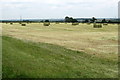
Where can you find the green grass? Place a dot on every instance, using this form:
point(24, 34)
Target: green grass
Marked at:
point(25, 59)
point(0, 57)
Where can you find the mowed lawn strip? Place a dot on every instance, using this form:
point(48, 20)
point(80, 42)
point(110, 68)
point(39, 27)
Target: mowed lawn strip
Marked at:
point(25, 59)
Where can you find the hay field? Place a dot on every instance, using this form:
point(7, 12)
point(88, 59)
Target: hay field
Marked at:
point(101, 42)
point(66, 51)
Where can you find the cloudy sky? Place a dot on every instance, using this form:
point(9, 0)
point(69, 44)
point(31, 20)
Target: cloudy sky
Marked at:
point(36, 9)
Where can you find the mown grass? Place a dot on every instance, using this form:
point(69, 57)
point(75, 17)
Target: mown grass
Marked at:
point(25, 59)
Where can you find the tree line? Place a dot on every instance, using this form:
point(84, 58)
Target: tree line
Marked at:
point(69, 20)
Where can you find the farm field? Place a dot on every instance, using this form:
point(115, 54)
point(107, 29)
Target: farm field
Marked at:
point(61, 49)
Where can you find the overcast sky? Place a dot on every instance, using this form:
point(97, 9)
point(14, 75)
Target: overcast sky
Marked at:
point(36, 9)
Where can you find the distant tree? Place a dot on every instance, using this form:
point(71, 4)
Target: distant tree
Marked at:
point(93, 19)
point(109, 21)
point(104, 21)
point(42, 21)
point(66, 19)
point(70, 19)
point(74, 20)
point(86, 20)
point(47, 21)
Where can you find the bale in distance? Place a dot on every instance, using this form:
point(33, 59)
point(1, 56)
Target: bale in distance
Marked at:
point(23, 24)
point(75, 23)
point(105, 24)
point(97, 25)
point(11, 23)
point(46, 23)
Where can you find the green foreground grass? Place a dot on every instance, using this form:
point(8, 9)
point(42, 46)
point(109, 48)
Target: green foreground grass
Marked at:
point(24, 59)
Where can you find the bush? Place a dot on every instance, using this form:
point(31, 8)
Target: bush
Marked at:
point(97, 26)
point(75, 23)
point(46, 23)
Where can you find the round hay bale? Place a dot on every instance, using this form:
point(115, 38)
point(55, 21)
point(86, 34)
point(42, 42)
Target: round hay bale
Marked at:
point(97, 25)
point(46, 23)
point(23, 24)
point(11, 23)
point(105, 24)
point(75, 24)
